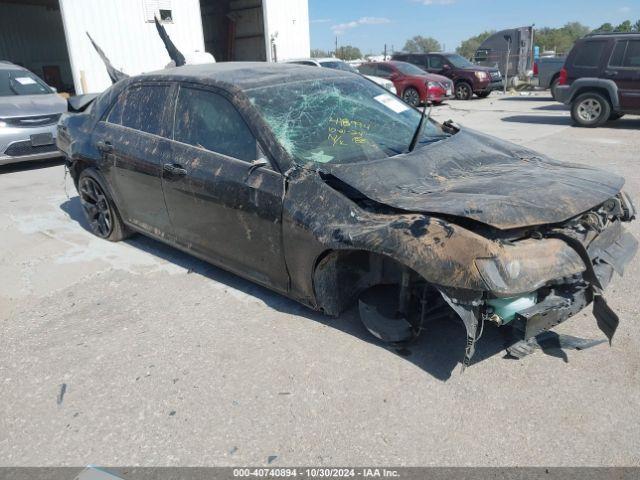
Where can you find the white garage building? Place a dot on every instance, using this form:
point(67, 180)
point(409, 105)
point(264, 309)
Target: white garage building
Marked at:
point(49, 36)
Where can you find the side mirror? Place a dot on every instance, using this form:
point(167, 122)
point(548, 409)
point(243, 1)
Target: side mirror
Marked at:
point(393, 76)
point(446, 66)
point(55, 90)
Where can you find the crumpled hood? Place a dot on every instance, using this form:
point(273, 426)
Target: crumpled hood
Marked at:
point(32, 105)
point(480, 177)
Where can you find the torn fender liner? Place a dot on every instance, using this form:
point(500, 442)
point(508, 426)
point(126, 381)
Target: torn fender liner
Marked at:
point(378, 308)
point(607, 320)
point(469, 316)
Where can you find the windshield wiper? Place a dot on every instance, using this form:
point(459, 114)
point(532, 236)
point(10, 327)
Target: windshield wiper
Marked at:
point(416, 135)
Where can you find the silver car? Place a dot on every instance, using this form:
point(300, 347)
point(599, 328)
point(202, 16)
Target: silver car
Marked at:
point(29, 112)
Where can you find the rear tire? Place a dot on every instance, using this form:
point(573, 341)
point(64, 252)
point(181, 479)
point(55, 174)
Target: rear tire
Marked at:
point(590, 110)
point(464, 91)
point(483, 94)
point(99, 209)
point(411, 96)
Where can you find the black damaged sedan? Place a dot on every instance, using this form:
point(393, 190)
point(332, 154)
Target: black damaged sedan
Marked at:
point(324, 187)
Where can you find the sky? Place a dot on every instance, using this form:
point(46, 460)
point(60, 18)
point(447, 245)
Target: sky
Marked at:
point(369, 24)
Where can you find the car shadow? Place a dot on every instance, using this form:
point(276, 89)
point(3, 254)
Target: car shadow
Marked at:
point(624, 123)
point(438, 351)
point(539, 119)
point(31, 165)
point(527, 98)
point(558, 107)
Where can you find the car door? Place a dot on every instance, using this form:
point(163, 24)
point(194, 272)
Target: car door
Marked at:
point(223, 207)
point(439, 65)
point(132, 139)
point(624, 70)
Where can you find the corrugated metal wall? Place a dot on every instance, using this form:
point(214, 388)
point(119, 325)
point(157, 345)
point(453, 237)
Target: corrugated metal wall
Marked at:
point(288, 21)
point(121, 29)
point(32, 36)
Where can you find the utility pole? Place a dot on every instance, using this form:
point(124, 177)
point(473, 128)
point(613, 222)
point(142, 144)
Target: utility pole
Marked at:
point(385, 52)
point(335, 52)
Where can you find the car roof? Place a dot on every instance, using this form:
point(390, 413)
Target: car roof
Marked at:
point(244, 75)
point(596, 35)
point(5, 65)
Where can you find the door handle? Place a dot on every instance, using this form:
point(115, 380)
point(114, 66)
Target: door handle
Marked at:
point(174, 169)
point(104, 146)
point(611, 73)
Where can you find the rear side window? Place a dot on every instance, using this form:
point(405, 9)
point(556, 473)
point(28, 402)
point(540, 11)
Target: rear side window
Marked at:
point(141, 108)
point(384, 71)
point(589, 54)
point(367, 69)
point(632, 57)
point(617, 56)
point(436, 62)
point(207, 120)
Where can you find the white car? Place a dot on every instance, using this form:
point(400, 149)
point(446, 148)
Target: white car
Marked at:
point(337, 64)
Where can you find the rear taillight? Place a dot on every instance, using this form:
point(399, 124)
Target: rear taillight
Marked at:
point(535, 68)
point(562, 80)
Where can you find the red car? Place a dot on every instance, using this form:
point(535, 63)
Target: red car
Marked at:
point(413, 84)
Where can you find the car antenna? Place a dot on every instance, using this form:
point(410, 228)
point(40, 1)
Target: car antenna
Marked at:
point(425, 116)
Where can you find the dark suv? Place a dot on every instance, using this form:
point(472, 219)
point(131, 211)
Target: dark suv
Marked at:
point(601, 78)
point(467, 77)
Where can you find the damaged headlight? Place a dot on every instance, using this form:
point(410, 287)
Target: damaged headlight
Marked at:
point(528, 265)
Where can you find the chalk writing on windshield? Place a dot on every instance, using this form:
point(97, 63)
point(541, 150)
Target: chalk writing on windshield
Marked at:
point(344, 131)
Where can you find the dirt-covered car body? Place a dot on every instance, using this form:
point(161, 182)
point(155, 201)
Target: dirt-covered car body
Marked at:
point(319, 200)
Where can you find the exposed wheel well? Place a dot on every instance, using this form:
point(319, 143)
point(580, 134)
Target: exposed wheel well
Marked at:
point(340, 276)
point(599, 90)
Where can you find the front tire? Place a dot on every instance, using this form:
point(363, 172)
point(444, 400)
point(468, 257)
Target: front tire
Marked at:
point(99, 209)
point(615, 116)
point(464, 91)
point(590, 110)
point(483, 94)
point(411, 96)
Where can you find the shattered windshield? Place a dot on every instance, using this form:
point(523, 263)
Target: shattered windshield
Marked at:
point(21, 82)
point(340, 120)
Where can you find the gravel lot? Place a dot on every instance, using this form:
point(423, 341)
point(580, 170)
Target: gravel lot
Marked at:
point(137, 354)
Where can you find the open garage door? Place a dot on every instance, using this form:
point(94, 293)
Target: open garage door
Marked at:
point(32, 36)
point(234, 29)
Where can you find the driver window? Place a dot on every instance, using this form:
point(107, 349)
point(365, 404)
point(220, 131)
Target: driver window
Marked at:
point(209, 121)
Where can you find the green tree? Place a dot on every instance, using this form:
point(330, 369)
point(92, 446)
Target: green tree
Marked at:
point(605, 27)
point(419, 44)
point(348, 52)
point(560, 39)
point(318, 53)
point(625, 26)
point(468, 47)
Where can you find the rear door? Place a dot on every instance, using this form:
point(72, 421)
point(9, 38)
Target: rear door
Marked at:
point(624, 70)
point(132, 139)
point(221, 206)
point(587, 59)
